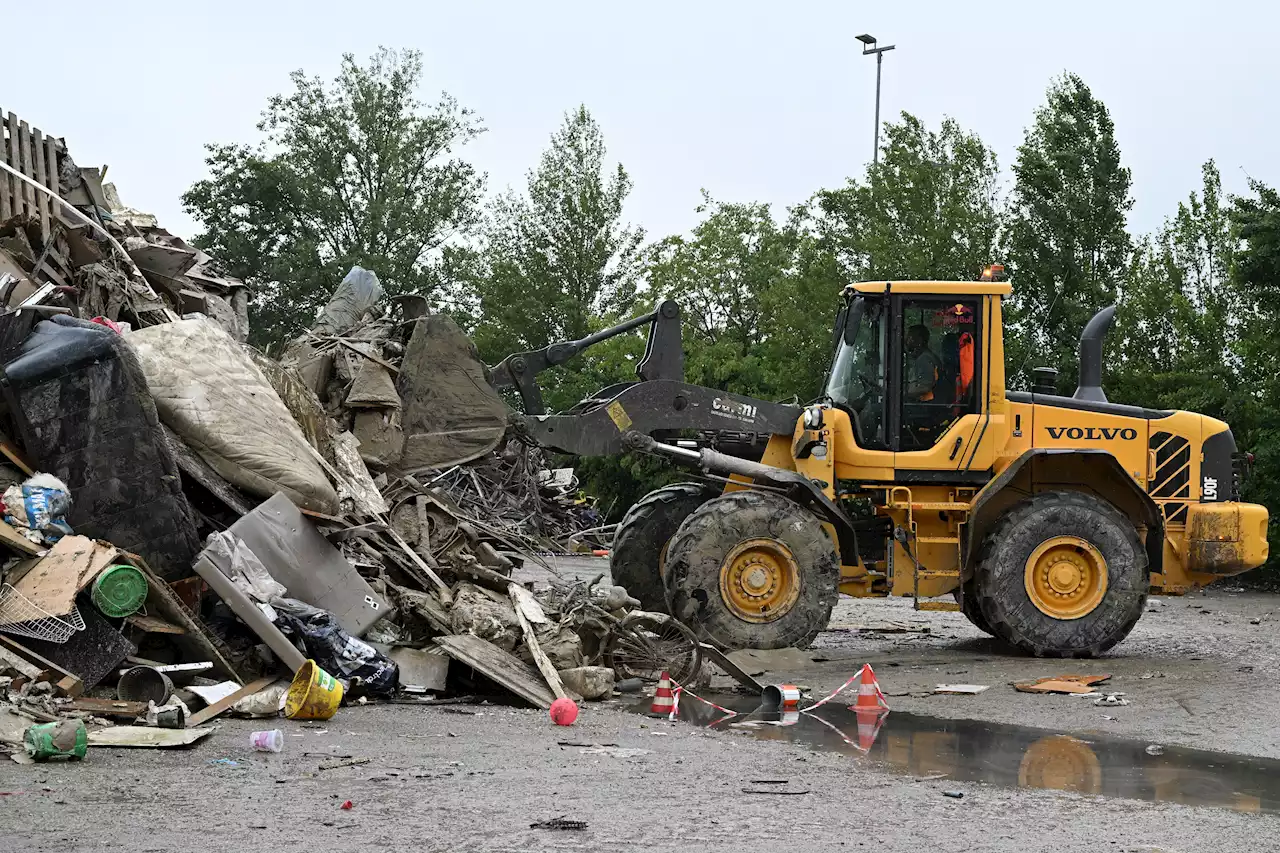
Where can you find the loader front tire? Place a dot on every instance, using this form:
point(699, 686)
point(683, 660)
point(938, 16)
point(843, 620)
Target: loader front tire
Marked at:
point(639, 545)
point(752, 570)
point(971, 607)
point(1063, 574)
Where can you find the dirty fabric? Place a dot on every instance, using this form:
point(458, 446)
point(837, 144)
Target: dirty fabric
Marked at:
point(451, 413)
point(210, 393)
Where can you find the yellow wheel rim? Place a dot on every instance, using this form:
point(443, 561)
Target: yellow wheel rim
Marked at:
point(760, 580)
point(1066, 577)
point(1061, 763)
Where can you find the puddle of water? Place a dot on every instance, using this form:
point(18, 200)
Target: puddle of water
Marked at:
point(1009, 755)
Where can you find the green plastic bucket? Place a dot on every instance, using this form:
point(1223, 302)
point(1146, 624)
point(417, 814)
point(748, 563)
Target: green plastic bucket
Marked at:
point(119, 591)
point(67, 739)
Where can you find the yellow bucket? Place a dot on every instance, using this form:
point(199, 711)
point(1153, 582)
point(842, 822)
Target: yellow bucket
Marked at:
point(314, 694)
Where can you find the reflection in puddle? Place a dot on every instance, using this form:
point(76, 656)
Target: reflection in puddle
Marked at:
point(1012, 756)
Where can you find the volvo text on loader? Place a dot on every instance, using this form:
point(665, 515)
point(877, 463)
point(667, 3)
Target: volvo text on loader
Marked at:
point(1046, 519)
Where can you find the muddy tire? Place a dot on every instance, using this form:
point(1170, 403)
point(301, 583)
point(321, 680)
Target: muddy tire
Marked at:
point(752, 570)
point(1041, 548)
point(642, 535)
point(970, 606)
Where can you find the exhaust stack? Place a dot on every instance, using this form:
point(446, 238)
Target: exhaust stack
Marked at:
point(1095, 332)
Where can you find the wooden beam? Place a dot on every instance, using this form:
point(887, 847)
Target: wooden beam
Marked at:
point(6, 182)
point(519, 597)
point(19, 207)
point(223, 704)
point(41, 174)
point(68, 682)
point(501, 666)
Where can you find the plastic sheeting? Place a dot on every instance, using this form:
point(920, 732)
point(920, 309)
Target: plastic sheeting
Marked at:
point(210, 393)
point(356, 296)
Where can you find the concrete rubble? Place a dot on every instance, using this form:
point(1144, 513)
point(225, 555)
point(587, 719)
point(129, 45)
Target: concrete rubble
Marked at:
point(192, 528)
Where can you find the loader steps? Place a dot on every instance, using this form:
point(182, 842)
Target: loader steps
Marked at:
point(944, 606)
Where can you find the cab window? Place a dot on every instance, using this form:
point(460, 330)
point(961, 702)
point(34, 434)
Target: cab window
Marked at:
point(939, 369)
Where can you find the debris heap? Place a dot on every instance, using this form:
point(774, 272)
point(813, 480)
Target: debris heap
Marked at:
point(192, 528)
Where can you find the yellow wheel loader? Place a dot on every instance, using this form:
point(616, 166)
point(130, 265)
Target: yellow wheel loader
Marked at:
point(1045, 519)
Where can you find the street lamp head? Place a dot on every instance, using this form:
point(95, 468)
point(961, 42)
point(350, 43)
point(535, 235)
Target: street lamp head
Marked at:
point(866, 39)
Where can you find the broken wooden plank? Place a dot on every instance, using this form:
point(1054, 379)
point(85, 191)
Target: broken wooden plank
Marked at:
point(443, 587)
point(522, 599)
point(68, 682)
point(41, 173)
point(17, 541)
point(147, 737)
point(206, 714)
point(154, 625)
point(503, 667)
point(109, 707)
point(11, 661)
point(18, 195)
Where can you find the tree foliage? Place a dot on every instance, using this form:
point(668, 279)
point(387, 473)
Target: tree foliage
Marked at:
point(355, 171)
point(1067, 243)
point(557, 263)
point(928, 210)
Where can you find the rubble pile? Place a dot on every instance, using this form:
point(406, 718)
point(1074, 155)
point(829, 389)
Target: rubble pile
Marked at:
point(192, 528)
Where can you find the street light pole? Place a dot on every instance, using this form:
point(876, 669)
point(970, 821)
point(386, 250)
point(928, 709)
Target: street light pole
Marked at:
point(869, 47)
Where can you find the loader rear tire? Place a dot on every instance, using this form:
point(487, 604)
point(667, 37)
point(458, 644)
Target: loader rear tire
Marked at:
point(1063, 574)
point(638, 552)
point(752, 570)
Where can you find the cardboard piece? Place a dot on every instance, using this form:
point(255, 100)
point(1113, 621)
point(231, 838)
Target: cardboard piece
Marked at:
point(1062, 684)
point(421, 668)
point(961, 689)
point(71, 565)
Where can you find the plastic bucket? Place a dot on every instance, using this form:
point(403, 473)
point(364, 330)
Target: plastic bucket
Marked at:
point(144, 684)
point(119, 591)
point(314, 694)
point(67, 739)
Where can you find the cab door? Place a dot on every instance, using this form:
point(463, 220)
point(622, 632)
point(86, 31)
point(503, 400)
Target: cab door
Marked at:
point(939, 355)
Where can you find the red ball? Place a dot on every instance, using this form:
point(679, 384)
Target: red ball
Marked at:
point(563, 712)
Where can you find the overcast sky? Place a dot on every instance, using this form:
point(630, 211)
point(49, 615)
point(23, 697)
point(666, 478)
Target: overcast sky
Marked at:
point(751, 100)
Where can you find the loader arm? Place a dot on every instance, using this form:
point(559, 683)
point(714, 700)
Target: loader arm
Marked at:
point(663, 356)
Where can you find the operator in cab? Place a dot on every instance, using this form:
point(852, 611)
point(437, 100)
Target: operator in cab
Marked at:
point(924, 368)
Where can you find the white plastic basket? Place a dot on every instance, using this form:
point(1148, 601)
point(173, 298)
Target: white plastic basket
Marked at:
point(18, 615)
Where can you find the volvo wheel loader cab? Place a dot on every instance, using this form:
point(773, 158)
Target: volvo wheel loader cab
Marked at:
point(1045, 519)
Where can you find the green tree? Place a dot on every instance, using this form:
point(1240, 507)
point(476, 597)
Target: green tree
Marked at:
point(1067, 244)
point(358, 171)
point(756, 298)
point(1177, 341)
point(928, 210)
point(558, 263)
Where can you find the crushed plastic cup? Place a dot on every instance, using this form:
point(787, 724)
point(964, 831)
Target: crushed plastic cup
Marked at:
point(269, 741)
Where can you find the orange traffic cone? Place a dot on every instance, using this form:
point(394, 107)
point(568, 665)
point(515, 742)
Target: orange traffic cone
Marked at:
point(663, 699)
point(869, 723)
point(869, 696)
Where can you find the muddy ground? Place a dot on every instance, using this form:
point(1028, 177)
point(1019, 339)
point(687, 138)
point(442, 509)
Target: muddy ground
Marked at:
point(475, 778)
